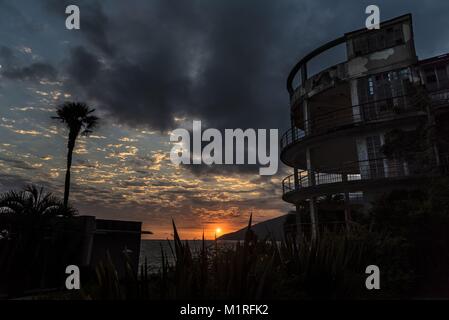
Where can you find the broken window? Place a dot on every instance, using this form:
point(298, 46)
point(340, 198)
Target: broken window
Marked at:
point(380, 93)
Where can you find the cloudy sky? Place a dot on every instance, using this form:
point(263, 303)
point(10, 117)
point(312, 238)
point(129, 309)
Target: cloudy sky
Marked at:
point(149, 67)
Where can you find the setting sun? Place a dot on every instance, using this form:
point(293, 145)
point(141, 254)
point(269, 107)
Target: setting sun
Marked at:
point(218, 230)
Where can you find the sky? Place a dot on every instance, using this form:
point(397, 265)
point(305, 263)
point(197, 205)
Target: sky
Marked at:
point(149, 67)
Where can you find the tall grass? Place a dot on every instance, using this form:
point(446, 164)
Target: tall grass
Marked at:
point(331, 268)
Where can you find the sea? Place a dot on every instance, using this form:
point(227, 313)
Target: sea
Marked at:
point(151, 250)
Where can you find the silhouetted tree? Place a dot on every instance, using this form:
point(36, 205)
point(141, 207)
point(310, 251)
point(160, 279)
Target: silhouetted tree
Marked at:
point(33, 202)
point(421, 218)
point(78, 119)
point(32, 234)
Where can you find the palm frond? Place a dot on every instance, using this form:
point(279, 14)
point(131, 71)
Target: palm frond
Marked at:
point(77, 116)
point(34, 201)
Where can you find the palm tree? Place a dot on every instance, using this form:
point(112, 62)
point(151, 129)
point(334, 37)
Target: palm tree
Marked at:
point(30, 232)
point(78, 119)
point(33, 202)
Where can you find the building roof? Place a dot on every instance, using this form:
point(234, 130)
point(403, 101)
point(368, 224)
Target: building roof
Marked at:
point(440, 58)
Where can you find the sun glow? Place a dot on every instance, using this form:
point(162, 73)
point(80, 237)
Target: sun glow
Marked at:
point(218, 231)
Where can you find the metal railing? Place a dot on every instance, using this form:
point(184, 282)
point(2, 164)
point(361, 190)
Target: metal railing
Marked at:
point(289, 184)
point(302, 64)
point(365, 170)
point(291, 136)
point(342, 118)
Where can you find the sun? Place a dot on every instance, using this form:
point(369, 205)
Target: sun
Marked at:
point(218, 230)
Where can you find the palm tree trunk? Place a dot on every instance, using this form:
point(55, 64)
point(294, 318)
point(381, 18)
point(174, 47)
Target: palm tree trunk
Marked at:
point(71, 146)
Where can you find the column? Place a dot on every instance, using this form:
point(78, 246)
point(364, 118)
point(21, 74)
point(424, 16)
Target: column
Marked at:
point(296, 177)
point(312, 202)
point(347, 204)
point(298, 223)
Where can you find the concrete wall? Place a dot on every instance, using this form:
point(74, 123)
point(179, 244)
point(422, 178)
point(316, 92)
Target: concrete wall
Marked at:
point(121, 239)
point(38, 251)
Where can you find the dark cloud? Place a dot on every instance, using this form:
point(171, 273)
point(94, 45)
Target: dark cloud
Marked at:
point(14, 69)
point(146, 92)
point(83, 66)
point(34, 72)
point(94, 22)
point(211, 61)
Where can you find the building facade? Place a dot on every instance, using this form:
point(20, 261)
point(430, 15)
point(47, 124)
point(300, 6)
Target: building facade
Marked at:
point(345, 118)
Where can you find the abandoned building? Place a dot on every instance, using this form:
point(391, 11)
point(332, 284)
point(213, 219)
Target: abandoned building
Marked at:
point(344, 119)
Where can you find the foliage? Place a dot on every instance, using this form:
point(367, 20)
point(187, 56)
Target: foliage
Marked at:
point(331, 268)
point(34, 250)
point(421, 218)
point(33, 202)
point(78, 118)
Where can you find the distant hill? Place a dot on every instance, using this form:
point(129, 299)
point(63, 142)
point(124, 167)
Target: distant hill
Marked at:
point(273, 228)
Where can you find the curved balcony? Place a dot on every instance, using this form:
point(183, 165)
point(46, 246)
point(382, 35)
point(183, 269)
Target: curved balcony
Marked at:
point(302, 64)
point(353, 118)
point(358, 176)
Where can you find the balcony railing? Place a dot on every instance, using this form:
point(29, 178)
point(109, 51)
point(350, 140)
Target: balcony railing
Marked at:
point(302, 64)
point(343, 118)
point(365, 171)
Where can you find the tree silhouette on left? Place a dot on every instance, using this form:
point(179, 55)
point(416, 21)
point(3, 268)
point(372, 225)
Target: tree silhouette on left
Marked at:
point(34, 202)
point(79, 120)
